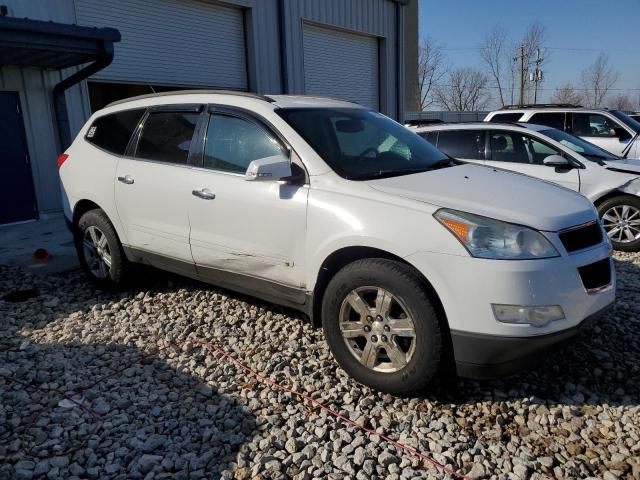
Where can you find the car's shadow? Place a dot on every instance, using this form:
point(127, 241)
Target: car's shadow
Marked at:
point(148, 413)
point(96, 410)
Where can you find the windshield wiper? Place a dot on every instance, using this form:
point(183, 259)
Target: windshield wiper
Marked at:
point(444, 163)
point(599, 158)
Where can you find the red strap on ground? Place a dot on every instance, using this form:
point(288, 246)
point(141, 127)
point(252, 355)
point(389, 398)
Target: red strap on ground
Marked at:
point(276, 386)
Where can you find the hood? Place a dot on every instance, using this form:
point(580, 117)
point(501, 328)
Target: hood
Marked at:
point(624, 166)
point(495, 193)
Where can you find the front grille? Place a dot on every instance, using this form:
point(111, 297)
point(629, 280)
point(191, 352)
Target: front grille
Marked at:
point(584, 236)
point(596, 275)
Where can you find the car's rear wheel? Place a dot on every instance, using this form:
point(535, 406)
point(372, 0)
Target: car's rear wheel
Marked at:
point(381, 326)
point(100, 251)
point(621, 220)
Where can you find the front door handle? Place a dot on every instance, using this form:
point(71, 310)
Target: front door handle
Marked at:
point(127, 179)
point(205, 194)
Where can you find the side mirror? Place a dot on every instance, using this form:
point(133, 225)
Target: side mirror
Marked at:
point(277, 167)
point(557, 161)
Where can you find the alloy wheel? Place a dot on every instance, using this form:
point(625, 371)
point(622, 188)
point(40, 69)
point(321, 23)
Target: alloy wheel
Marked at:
point(377, 329)
point(96, 252)
point(622, 223)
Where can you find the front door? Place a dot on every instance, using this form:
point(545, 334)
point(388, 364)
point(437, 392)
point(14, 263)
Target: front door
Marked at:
point(601, 130)
point(523, 153)
point(17, 195)
point(253, 228)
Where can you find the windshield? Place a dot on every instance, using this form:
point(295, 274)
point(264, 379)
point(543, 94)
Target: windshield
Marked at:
point(584, 148)
point(360, 144)
point(626, 119)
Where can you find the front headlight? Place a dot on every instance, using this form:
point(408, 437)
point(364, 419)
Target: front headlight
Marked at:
point(488, 238)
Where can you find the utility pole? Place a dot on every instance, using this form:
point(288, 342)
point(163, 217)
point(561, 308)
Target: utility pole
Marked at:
point(522, 55)
point(536, 76)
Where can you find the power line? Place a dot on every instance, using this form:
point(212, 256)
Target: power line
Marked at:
point(551, 89)
point(573, 49)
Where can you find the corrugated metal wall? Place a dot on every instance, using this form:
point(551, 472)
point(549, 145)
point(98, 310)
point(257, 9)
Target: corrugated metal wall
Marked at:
point(34, 87)
point(372, 17)
point(267, 41)
point(343, 64)
point(171, 42)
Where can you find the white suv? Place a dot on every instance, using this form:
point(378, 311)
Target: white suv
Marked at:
point(611, 130)
point(406, 257)
point(611, 183)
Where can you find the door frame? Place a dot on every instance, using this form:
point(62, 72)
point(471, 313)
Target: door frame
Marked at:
point(23, 130)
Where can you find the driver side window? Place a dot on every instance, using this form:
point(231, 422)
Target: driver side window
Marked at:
point(233, 143)
point(593, 125)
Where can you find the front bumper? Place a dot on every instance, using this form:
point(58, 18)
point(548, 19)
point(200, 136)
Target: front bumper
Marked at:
point(467, 287)
point(489, 356)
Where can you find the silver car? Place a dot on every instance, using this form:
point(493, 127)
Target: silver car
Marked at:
point(612, 130)
point(611, 183)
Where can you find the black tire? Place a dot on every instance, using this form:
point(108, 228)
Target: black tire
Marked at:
point(406, 286)
point(118, 271)
point(618, 202)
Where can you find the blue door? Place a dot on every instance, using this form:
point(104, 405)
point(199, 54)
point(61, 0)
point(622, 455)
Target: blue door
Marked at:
point(17, 196)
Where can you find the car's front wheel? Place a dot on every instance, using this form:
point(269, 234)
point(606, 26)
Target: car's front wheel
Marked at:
point(621, 220)
point(100, 251)
point(381, 326)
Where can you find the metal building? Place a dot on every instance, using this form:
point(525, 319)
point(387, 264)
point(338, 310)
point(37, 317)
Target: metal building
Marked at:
point(363, 50)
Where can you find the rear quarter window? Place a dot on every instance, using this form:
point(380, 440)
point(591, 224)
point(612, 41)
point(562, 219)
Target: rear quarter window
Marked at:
point(550, 119)
point(112, 132)
point(506, 117)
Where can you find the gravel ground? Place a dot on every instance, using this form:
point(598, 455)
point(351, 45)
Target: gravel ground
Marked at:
point(85, 394)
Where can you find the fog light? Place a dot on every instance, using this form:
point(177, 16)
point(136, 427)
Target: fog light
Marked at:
point(537, 316)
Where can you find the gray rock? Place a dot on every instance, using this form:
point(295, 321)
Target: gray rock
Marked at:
point(146, 462)
point(100, 406)
point(385, 459)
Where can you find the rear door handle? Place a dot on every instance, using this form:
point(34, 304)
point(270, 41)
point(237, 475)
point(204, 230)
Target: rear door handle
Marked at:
point(205, 194)
point(127, 179)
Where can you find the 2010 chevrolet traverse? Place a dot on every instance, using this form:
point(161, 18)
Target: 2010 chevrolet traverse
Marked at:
point(399, 251)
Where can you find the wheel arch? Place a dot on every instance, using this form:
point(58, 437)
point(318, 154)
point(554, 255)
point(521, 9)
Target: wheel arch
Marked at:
point(611, 194)
point(345, 255)
point(85, 205)
point(81, 207)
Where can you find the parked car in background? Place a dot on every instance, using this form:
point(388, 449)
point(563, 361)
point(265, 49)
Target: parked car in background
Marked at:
point(611, 130)
point(400, 252)
point(611, 183)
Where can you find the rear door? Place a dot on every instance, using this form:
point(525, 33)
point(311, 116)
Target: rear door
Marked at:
point(525, 153)
point(252, 228)
point(467, 145)
point(152, 187)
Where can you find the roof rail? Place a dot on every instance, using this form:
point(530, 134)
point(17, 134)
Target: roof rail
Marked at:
point(193, 92)
point(541, 105)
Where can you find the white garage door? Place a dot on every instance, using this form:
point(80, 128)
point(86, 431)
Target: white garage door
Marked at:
point(171, 42)
point(342, 65)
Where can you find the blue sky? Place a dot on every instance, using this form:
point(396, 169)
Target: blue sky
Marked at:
point(577, 31)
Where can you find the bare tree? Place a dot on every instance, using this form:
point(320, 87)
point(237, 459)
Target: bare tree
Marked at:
point(431, 69)
point(622, 101)
point(566, 93)
point(463, 90)
point(534, 40)
point(495, 53)
point(598, 79)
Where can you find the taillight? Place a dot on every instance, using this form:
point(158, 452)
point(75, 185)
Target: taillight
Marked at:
point(62, 158)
